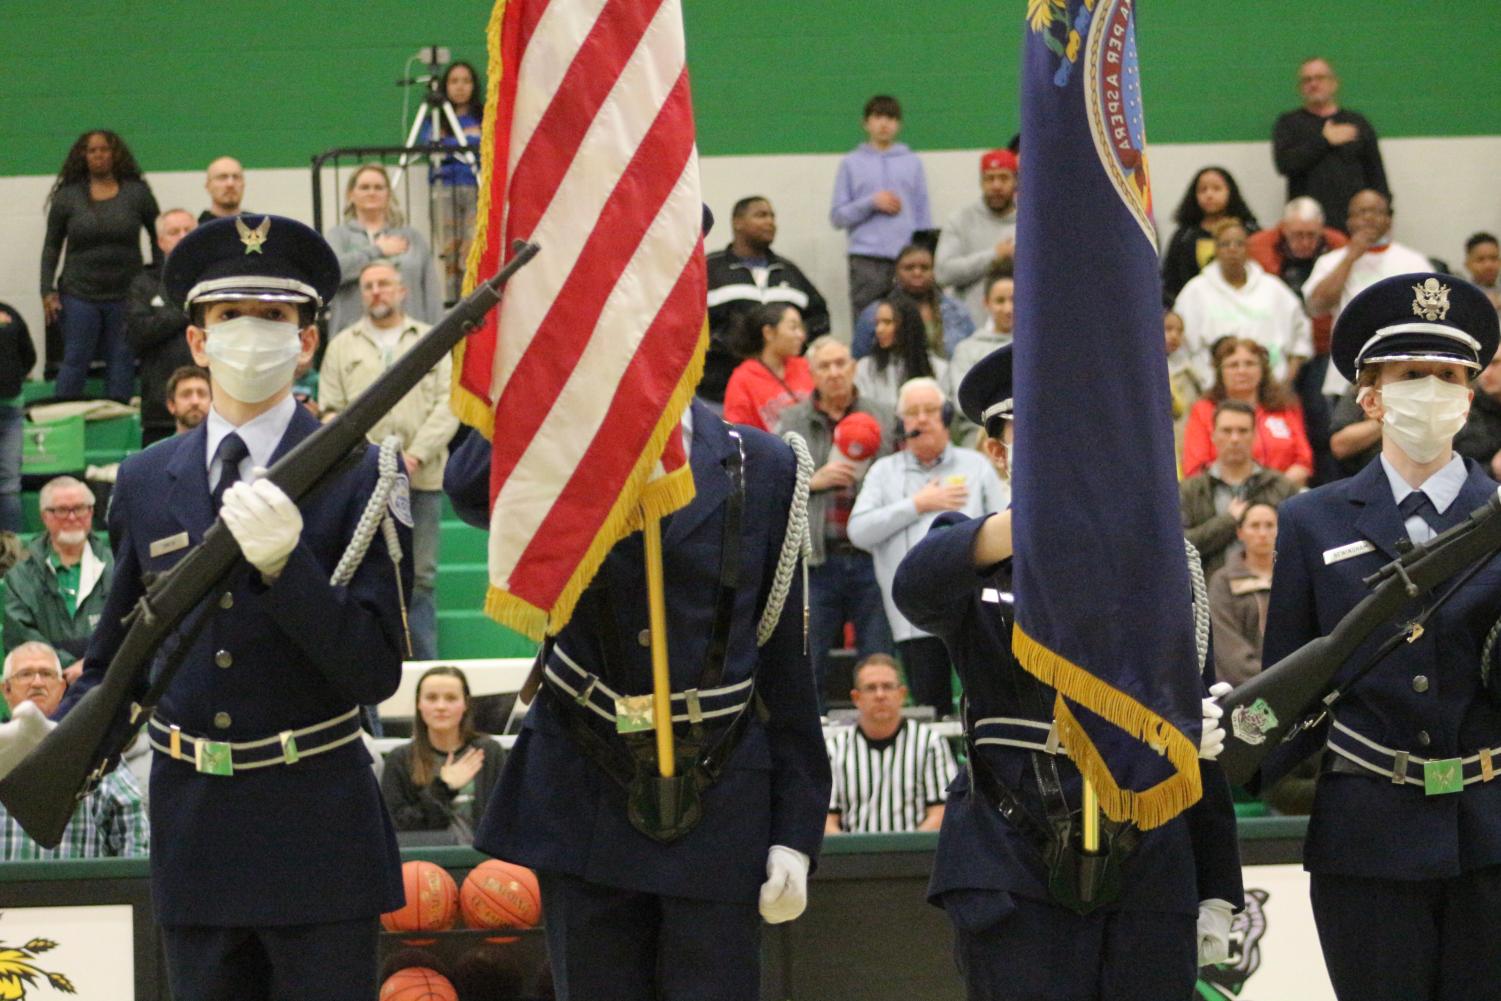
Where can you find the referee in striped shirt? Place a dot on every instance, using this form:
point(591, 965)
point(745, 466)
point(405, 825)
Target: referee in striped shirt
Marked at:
point(890, 773)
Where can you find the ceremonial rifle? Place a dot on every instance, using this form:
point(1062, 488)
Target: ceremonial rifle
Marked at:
point(43, 789)
point(1276, 705)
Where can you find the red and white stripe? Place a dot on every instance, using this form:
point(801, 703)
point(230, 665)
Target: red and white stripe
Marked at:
point(596, 334)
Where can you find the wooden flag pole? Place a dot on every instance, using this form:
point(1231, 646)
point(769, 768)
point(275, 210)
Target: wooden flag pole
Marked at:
point(661, 678)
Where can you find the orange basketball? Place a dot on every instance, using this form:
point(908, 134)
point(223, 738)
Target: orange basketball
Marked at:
point(432, 899)
point(417, 983)
point(498, 894)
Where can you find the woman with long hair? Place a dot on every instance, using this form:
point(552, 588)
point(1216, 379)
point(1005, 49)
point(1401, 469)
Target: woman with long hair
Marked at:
point(96, 210)
point(901, 351)
point(774, 375)
point(945, 319)
point(373, 228)
point(1242, 371)
point(443, 778)
point(1211, 196)
point(452, 184)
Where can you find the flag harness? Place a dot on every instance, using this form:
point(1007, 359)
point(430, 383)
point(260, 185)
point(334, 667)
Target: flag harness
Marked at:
point(666, 808)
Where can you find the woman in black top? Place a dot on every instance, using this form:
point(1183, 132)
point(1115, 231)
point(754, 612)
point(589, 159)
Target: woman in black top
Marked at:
point(443, 778)
point(1212, 196)
point(97, 209)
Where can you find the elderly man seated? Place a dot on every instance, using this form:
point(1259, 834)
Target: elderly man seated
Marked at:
point(57, 593)
point(111, 820)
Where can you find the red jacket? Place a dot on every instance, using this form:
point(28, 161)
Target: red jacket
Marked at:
point(755, 396)
point(1281, 440)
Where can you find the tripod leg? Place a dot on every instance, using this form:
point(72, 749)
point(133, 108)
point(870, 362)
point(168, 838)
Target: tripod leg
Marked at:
point(412, 134)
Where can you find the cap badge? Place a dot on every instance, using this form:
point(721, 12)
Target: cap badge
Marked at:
point(254, 238)
point(1431, 300)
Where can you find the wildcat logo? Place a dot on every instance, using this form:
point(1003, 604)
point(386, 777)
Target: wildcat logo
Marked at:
point(19, 972)
point(1225, 981)
point(1252, 723)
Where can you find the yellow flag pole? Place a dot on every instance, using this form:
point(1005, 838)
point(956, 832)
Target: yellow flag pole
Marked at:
point(661, 678)
point(1089, 806)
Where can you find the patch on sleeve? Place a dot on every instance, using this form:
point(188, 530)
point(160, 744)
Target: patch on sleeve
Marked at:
point(400, 500)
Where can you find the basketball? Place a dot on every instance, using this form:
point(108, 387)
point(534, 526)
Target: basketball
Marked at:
point(432, 899)
point(498, 894)
point(417, 983)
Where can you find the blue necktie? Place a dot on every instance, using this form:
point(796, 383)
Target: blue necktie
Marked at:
point(1418, 503)
point(232, 450)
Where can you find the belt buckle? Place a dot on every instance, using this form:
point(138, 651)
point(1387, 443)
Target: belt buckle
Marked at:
point(289, 753)
point(633, 714)
point(1442, 776)
point(213, 757)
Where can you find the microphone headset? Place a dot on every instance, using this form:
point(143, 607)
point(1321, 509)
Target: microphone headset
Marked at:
point(946, 416)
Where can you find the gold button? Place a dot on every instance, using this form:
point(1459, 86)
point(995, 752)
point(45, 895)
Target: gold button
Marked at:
point(224, 658)
point(644, 637)
point(222, 720)
point(227, 600)
point(1420, 683)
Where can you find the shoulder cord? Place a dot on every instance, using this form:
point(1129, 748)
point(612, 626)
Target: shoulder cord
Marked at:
point(376, 515)
point(1201, 603)
point(797, 543)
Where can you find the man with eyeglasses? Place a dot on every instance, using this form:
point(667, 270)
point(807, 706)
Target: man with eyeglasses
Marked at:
point(1326, 151)
point(890, 772)
point(902, 495)
point(111, 820)
point(423, 421)
point(57, 593)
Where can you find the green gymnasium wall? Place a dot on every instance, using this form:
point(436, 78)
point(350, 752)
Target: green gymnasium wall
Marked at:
point(275, 82)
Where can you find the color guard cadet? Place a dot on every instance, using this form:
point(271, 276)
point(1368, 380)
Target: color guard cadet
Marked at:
point(1404, 845)
point(271, 853)
point(1007, 869)
point(642, 903)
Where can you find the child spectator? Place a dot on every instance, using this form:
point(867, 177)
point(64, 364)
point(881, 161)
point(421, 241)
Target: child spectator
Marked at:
point(881, 199)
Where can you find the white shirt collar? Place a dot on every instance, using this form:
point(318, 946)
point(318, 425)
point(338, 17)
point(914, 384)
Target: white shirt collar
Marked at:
point(261, 434)
point(1442, 487)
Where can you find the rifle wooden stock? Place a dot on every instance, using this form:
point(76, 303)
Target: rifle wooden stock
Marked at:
point(1290, 688)
point(43, 789)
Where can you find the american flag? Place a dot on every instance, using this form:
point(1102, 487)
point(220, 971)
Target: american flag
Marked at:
point(581, 377)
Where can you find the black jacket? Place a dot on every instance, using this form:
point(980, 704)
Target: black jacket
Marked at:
point(1330, 175)
point(733, 293)
point(156, 330)
point(17, 353)
point(430, 808)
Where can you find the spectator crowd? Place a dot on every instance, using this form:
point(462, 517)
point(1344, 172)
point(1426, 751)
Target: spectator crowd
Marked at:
point(1259, 412)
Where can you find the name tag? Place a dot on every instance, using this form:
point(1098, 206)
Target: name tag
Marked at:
point(1345, 552)
point(170, 544)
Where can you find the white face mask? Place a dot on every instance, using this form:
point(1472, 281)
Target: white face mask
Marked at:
point(1423, 415)
point(253, 358)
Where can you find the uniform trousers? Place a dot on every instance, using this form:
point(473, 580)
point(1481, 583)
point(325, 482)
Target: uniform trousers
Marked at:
point(1039, 951)
point(605, 942)
point(333, 961)
point(1413, 940)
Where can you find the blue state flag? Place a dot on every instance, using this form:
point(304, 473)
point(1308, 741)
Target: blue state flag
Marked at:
point(1104, 610)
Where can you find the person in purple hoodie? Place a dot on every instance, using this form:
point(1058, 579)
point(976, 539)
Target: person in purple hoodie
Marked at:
point(881, 198)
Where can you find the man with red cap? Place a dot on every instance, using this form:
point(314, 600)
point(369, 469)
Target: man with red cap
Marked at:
point(844, 432)
point(981, 235)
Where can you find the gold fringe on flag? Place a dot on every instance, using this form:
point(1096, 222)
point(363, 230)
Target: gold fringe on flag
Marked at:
point(1149, 808)
point(467, 407)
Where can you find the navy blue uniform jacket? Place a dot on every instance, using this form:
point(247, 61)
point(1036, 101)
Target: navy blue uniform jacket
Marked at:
point(556, 810)
point(1191, 858)
point(287, 844)
point(1372, 827)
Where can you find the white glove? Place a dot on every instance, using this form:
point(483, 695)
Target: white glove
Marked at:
point(25, 731)
point(785, 892)
point(1211, 734)
point(1215, 916)
point(265, 523)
